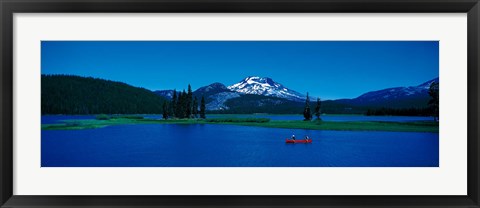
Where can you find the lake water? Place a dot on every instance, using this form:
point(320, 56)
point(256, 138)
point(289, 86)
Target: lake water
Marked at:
point(208, 145)
point(59, 118)
point(331, 117)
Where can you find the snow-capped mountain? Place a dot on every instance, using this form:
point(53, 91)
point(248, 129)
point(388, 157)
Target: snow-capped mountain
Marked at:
point(262, 94)
point(265, 86)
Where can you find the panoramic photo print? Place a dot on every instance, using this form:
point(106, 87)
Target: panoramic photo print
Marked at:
point(240, 104)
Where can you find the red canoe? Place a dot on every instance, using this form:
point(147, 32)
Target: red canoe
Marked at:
point(298, 141)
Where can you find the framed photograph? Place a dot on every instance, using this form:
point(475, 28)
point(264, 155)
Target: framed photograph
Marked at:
point(239, 103)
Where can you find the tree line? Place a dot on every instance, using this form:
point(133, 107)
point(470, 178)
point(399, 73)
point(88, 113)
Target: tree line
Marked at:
point(70, 94)
point(399, 112)
point(431, 110)
point(184, 105)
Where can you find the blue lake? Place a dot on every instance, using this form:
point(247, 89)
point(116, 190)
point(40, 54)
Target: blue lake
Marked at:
point(50, 119)
point(59, 118)
point(172, 145)
point(324, 117)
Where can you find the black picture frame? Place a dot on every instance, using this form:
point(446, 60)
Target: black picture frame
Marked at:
point(9, 7)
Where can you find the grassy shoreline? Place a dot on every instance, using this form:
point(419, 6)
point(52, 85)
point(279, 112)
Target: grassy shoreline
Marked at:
point(418, 126)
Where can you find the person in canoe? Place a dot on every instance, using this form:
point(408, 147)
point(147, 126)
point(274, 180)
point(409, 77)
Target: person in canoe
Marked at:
point(293, 137)
point(307, 138)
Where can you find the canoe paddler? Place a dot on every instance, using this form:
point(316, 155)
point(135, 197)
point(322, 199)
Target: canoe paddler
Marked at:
point(293, 136)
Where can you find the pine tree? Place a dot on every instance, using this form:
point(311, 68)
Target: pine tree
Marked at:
point(306, 112)
point(165, 110)
point(178, 111)
point(202, 108)
point(195, 107)
point(188, 102)
point(181, 105)
point(185, 104)
point(318, 108)
point(171, 113)
point(434, 101)
point(174, 104)
point(369, 112)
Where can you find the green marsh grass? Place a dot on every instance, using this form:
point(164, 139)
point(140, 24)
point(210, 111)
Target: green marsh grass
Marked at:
point(417, 126)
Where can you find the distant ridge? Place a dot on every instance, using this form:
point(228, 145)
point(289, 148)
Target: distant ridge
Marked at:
point(396, 97)
point(255, 94)
point(69, 94)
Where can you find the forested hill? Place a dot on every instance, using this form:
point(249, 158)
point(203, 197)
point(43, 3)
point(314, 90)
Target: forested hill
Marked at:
point(68, 94)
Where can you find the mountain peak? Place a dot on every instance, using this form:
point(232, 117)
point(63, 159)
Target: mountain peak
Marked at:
point(260, 80)
point(215, 87)
point(264, 86)
point(426, 85)
point(251, 77)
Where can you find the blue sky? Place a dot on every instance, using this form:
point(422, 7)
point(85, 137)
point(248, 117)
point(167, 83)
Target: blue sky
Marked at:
point(328, 69)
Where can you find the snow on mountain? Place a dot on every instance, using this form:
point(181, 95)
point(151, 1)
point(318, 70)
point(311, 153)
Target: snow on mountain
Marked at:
point(216, 94)
point(265, 86)
point(426, 85)
point(165, 93)
point(217, 101)
point(249, 92)
point(396, 97)
point(398, 91)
